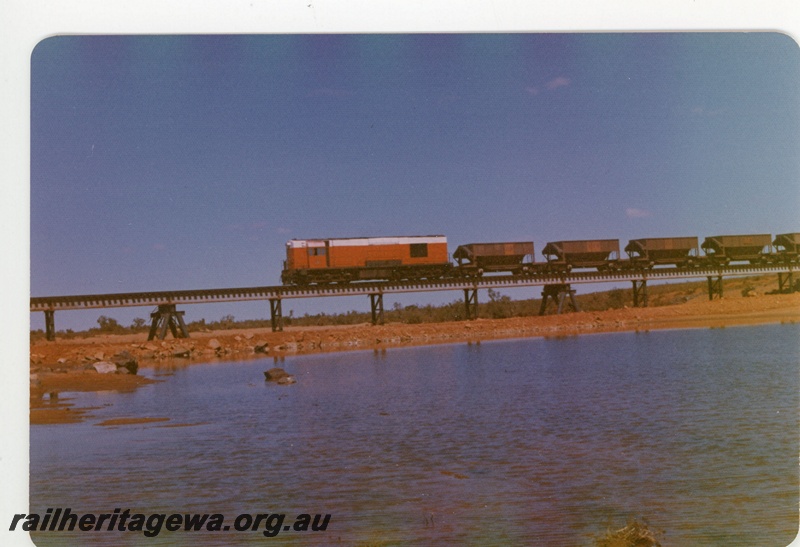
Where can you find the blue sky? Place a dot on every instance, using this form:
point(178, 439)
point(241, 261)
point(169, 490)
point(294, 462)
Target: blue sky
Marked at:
point(187, 162)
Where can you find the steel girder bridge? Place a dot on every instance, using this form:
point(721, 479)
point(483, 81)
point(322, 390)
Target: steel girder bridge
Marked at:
point(556, 289)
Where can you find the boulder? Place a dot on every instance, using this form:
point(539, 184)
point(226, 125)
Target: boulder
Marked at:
point(291, 347)
point(126, 361)
point(214, 344)
point(181, 351)
point(104, 367)
point(261, 347)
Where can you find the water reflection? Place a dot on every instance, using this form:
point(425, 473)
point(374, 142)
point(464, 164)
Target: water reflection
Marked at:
point(543, 441)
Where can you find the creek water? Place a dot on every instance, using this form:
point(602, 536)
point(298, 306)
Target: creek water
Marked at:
point(519, 442)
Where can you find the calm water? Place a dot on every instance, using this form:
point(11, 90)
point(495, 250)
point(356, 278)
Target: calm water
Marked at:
point(523, 442)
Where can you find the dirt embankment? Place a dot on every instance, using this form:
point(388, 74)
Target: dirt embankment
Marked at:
point(68, 365)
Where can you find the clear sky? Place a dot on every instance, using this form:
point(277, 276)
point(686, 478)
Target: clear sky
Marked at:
point(187, 162)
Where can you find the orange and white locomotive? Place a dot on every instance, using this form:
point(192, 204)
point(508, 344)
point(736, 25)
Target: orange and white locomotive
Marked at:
point(341, 260)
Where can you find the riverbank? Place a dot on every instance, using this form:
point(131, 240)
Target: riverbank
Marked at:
point(67, 366)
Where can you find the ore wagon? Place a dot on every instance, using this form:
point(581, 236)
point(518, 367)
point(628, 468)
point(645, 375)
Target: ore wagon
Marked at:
point(787, 247)
point(751, 248)
point(677, 251)
point(602, 254)
point(342, 260)
point(477, 258)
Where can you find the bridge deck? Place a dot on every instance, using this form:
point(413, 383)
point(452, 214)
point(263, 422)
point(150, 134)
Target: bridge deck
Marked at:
point(204, 296)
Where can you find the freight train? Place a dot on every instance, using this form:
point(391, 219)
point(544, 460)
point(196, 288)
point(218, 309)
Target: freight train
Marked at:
point(345, 260)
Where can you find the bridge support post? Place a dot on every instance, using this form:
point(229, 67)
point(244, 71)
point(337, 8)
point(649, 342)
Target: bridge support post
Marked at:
point(276, 314)
point(639, 293)
point(471, 303)
point(50, 325)
point(558, 293)
point(786, 282)
point(376, 306)
point(167, 316)
point(714, 287)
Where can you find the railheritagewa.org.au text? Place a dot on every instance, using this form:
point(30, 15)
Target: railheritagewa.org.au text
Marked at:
point(150, 525)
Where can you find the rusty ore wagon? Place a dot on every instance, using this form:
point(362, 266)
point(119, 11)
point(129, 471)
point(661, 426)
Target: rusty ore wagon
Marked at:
point(477, 258)
point(754, 248)
point(602, 254)
point(787, 247)
point(653, 251)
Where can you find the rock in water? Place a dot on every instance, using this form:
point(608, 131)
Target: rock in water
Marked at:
point(279, 376)
point(274, 374)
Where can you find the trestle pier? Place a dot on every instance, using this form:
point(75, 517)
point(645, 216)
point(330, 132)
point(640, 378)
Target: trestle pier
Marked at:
point(715, 287)
point(471, 303)
point(276, 314)
point(787, 284)
point(167, 316)
point(558, 294)
point(639, 293)
point(376, 306)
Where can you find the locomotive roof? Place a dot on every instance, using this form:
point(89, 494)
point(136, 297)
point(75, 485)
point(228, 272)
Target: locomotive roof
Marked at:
point(363, 241)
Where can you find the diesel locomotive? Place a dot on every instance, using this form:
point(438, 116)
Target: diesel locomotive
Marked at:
point(411, 258)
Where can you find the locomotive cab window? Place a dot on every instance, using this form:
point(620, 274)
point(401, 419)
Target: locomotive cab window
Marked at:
point(419, 250)
point(316, 251)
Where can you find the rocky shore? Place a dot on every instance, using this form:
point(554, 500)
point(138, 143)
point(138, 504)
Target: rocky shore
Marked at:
point(109, 362)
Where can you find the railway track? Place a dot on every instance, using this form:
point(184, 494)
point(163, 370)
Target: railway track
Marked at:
point(559, 285)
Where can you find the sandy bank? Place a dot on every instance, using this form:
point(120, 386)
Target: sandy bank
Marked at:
point(60, 366)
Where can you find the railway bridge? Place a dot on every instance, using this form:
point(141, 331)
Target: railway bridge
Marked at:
point(557, 288)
